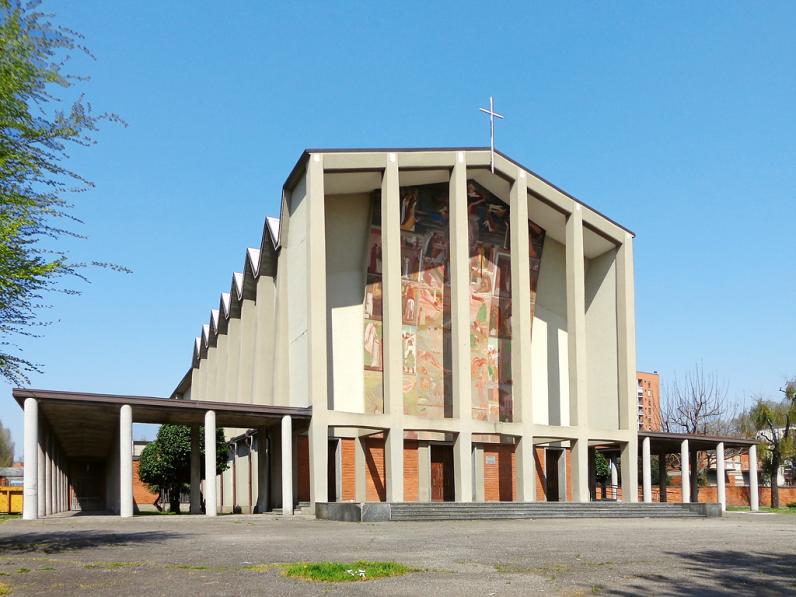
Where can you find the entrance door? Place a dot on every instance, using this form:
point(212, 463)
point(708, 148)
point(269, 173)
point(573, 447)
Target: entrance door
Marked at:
point(552, 458)
point(442, 487)
point(331, 471)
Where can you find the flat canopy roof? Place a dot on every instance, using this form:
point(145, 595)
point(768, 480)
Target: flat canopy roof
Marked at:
point(661, 441)
point(85, 423)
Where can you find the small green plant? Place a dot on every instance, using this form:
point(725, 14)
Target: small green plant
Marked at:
point(186, 567)
point(23, 570)
point(791, 505)
point(344, 572)
point(4, 589)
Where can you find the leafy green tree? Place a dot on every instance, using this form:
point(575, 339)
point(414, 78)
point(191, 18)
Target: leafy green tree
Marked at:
point(35, 134)
point(772, 422)
point(165, 464)
point(6, 447)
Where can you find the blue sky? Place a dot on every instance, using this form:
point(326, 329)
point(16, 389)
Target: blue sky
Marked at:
point(676, 119)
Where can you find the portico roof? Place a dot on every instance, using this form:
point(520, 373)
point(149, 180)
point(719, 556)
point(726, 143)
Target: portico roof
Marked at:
point(85, 423)
point(669, 443)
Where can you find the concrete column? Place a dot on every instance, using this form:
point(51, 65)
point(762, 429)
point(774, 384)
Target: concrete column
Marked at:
point(319, 460)
point(626, 337)
point(526, 470)
point(478, 476)
point(360, 470)
point(460, 291)
point(41, 476)
point(287, 465)
point(576, 322)
point(463, 467)
point(196, 471)
point(126, 461)
point(48, 473)
point(211, 503)
point(263, 470)
point(521, 305)
point(30, 503)
point(580, 470)
point(423, 472)
point(391, 290)
point(646, 470)
point(720, 481)
point(662, 478)
point(685, 484)
point(629, 464)
point(754, 498)
point(614, 479)
point(394, 463)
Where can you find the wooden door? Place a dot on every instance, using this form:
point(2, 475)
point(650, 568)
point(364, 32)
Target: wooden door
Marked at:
point(551, 474)
point(442, 485)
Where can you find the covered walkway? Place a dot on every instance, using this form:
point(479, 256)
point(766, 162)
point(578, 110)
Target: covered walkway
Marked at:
point(82, 443)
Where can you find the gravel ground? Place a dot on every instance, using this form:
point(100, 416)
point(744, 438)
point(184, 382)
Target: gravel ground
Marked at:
point(741, 554)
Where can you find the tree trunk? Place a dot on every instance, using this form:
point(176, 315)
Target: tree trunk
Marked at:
point(773, 475)
point(174, 503)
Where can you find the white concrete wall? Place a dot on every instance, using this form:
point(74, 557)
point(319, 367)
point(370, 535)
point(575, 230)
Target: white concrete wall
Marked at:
point(601, 342)
point(264, 342)
point(347, 226)
point(297, 291)
point(549, 350)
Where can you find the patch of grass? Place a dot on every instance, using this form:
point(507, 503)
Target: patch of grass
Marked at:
point(768, 509)
point(4, 574)
point(344, 572)
point(597, 589)
point(46, 568)
point(4, 589)
point(113, 565)
point(186, 567)
point(4, 517)
point(259, 567)
point(23, 570)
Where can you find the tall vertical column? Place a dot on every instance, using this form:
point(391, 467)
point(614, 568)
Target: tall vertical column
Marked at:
point(463, 467)
point(720, 480)
point(287, 465)
point(754, 498)
point(126, 461)
point(580, 470)
point(41, 476)
point(211, 503)
point(576, 320)
point(479, 458)
point(424, 472)
point(394, 463)
point(316, 330)
point(626, 336)
point(526, 470)
point(614, 477)
point(646, 470)
point(629, 464)
point(30, 503)
point(685, 477)
point(196, 471)
point(48, 472)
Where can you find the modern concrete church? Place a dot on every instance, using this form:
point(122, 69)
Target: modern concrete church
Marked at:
point(415, 326)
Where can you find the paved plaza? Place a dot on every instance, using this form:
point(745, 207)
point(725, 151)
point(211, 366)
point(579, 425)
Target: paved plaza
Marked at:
point(741, 554)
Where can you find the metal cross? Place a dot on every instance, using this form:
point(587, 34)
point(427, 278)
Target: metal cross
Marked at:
point(492, 116)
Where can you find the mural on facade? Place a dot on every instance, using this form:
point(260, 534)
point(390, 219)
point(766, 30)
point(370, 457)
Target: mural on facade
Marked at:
point(490, 301)
point(425, 289)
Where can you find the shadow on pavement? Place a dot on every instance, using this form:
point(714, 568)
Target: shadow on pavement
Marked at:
point(62, 542)
point(722, 572)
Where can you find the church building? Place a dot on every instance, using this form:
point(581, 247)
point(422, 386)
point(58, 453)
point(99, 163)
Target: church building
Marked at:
point(458, 334)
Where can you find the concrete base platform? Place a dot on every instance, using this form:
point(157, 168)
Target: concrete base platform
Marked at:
point(383, 512)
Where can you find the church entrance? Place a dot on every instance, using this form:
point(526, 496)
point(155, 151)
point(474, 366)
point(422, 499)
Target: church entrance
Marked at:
point(442, 486)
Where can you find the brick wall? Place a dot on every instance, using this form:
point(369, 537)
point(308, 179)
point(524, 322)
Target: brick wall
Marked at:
point(500, 465)
point(411, 486)
point(347, 461)
point(736, 495)
point(142, 496)
point(375, 489)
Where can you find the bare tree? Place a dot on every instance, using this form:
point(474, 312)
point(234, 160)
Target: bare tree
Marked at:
point(696, 403)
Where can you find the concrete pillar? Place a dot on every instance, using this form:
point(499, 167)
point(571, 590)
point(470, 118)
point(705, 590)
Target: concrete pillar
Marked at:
point(463, 467)
point(580, 470)
point(754, 498)
point(646, 470)
point(520, 305)
point(48, 472)
point(720, 481)
point(662, 478)
point(211, 504)
point(614, 477)
point(576, 325)
point(196, 471)
point(30, 503)
point(394, 463)
point(526, 470)
point(478, 476)
point(319, 461)
point(126, 461)
point(685, 477)
point(287, 465)
point(41, 473)
point(361, 470)
point(424, 472)
point(626, 340)
point(263, 470)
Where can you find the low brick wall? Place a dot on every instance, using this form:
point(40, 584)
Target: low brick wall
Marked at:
point(736, 495)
